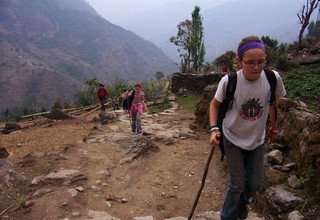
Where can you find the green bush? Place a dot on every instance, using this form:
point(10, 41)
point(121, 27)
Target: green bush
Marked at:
point(87, 96)
point(117, 87)
point(227, 58)
point(304, 85)
point(155, 90)
point(284, 64)
point(84, 98)
point(156, 108)
point(22, 200)
point(189, 102)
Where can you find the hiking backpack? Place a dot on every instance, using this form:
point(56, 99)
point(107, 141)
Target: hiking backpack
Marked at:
point(130, 99)
point(231, 88)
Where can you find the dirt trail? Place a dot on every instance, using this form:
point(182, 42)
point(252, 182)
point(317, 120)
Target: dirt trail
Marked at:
point(161, 183)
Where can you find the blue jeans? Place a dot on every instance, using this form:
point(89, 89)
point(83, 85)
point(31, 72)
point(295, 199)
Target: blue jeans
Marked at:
point(246, 171)
point(136, 121)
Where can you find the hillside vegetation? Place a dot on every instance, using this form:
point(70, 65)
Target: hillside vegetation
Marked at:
point(50, 48)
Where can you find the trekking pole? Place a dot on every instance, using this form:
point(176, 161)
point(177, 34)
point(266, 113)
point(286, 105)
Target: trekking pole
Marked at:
point(202, 183)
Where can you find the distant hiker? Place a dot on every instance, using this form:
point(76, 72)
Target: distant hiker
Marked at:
point(224, 68)
point(115, 104)
point(102, 94)
point(244, 125)
point(136, 109)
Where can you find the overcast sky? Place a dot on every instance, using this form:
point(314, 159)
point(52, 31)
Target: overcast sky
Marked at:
point(116, 11)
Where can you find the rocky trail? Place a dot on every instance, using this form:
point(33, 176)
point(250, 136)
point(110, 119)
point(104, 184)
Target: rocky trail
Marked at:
point(82, 169)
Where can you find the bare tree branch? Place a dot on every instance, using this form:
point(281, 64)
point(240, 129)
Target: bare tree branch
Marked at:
point(304, 16)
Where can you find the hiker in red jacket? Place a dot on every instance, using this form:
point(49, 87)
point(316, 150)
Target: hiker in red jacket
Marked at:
point(102, 94)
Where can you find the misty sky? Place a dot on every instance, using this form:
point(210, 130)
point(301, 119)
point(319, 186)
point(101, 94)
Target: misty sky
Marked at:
point(116, 11)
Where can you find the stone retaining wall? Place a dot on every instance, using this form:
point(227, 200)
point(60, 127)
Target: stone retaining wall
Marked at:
point(193, 82)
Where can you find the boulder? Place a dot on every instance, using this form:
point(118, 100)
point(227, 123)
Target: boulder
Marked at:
point(8, 175)
point(281, 200)
point(58, 114)
point(64, 176)
point(3, 152)
point(107, 117)
point(11, 127)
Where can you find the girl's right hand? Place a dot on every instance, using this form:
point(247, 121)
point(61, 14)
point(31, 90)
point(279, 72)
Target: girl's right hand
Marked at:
point(215, 138)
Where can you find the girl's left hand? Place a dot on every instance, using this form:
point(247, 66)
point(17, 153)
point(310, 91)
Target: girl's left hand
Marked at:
point(272, 135)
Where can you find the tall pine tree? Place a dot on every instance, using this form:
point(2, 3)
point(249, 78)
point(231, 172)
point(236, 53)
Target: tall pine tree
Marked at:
point(196, 40)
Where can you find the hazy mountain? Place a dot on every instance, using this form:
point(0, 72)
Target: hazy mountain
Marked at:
point(225, 22)
point(49, 48)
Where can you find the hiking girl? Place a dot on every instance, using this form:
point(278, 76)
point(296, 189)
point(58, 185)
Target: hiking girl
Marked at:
point(244, 126)
point(137, 106)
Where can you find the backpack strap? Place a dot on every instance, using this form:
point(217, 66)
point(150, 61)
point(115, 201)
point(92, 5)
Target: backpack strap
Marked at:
point(272, 79)
point(224, 107)
point(231, 87)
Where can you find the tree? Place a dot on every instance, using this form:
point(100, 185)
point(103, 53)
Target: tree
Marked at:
point(268, 41)
point(313, 29)
point(25, 111)
point(226, 58)
point(304, 17)
point(7, 114)
point(88, 96)
point(190, 41)
point(182, 41)
point(196, 40)
point(159, 75)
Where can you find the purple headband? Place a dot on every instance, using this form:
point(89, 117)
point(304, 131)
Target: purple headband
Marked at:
point(250, 45)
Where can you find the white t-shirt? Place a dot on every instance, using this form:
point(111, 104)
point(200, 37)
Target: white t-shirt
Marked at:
point(244, 124)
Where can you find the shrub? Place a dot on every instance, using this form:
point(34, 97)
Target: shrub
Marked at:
point(189, 102)
point(284, 64)
point(117, 87)
point(304, 85)
point(155, 90)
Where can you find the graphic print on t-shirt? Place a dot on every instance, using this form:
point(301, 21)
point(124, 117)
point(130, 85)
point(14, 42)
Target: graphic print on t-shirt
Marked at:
point(251, 109)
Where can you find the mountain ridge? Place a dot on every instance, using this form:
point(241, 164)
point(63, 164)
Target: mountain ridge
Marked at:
point(66, 42)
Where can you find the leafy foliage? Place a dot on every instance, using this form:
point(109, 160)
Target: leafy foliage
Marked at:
point(304, 85)
point(159, 75)
point(226, 58)
point(57, 105)
point(160, 107)
point(277, 54)
point(196, 40)
point(313, 29)
point(190, 41)
point(154, 90)
point(88, 96)
point(182, 41)
point(189, 102)
point(117, 87)
point(22, 200)
point(273, 43)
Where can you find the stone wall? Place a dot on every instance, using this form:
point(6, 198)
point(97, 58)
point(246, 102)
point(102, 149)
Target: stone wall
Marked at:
point(193, 82)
